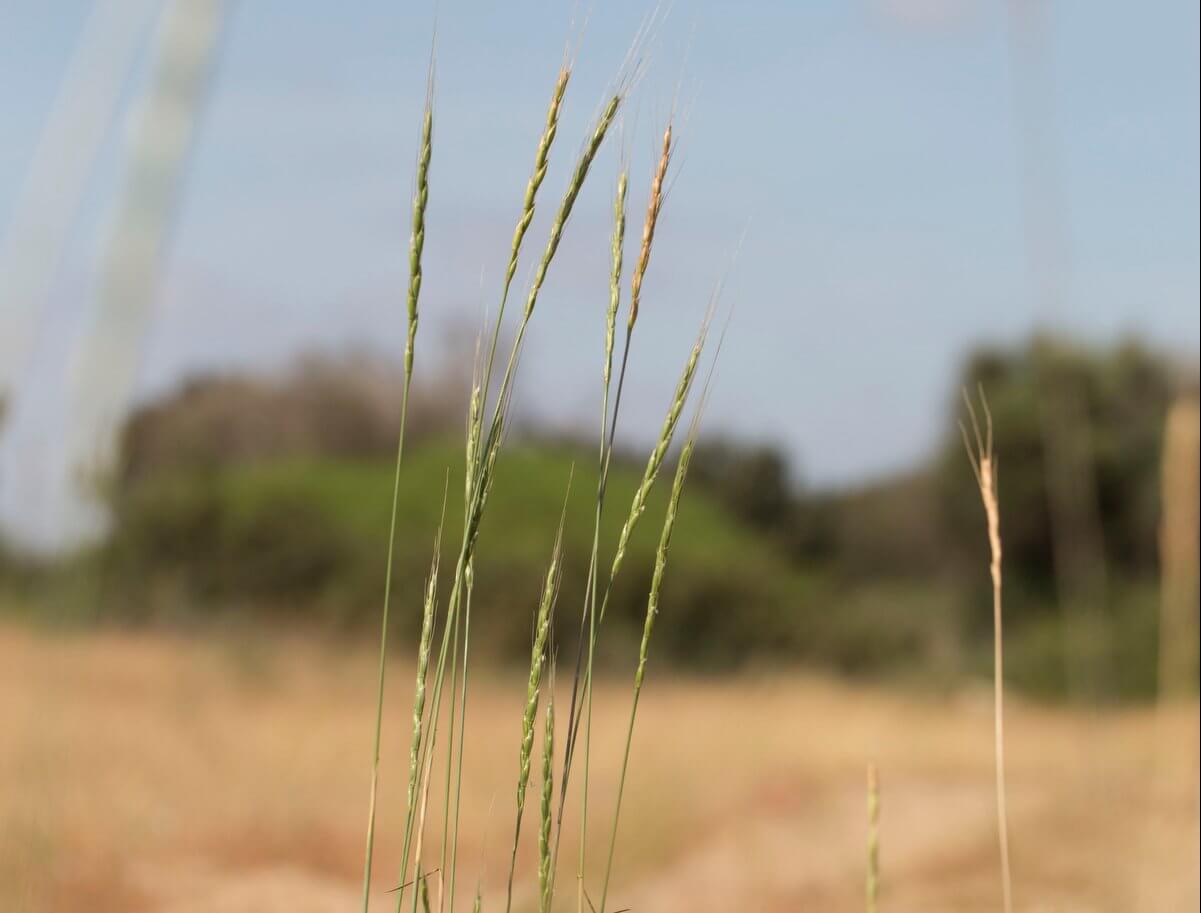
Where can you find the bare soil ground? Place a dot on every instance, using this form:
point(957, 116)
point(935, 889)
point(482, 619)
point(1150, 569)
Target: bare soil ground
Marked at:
point(155, 774)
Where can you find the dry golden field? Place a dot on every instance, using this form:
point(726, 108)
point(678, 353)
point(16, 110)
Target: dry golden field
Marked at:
point(155, 773)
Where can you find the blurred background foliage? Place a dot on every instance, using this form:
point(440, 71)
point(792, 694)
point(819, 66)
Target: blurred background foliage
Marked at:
point(248, 500)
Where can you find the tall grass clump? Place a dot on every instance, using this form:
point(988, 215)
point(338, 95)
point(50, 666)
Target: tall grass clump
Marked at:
point(985, 467)
point(594, 604)
point(434, 786)
point(587, 617)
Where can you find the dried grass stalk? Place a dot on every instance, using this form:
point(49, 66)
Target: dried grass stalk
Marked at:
point(985, 467)
point(653, 207)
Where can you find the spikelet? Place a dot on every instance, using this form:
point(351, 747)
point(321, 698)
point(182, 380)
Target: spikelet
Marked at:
point(548, 765)
point(666, 433)
point(541, 161)
point(619, 235)
point(648, 227)
point(417, 238)
point(583, 164)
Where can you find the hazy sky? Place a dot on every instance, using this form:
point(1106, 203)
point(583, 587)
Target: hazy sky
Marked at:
point(868, 151)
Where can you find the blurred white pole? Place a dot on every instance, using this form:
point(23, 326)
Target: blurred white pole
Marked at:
point(48, 200)
point(106, 364)
point(1077, 535)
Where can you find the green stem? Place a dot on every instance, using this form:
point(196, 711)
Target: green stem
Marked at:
point(652, 611)
point(416, 246)
point(454, 857)
point(383, 655)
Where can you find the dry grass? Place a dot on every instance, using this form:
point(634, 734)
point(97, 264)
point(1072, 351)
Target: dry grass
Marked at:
point(150, 773)
point(985, 467)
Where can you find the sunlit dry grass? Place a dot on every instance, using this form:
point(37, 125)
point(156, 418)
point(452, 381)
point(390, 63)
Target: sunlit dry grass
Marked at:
point(151, 773)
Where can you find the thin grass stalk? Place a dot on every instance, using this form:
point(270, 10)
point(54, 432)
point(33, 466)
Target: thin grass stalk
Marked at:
point(654, 206)
point(469, 577)
point(459, 712)
point(872, 888)
point(652, 612)
point(606, 450)
point(450, 760)
point(542, 626)
point(416, 246)
point(473, 412)
point(428, 757)
point(985, 467)
point(419, 695)
point(439, 678)
point(422, 806)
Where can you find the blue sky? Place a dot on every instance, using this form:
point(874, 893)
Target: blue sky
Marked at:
point(868, 151)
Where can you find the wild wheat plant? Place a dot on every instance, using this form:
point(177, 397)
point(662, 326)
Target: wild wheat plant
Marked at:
point(426, 876)
point(984, 465)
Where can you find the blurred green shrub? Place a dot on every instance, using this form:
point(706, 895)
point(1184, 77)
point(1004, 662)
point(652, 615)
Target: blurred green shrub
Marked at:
point(269, 499)
point(303, 539)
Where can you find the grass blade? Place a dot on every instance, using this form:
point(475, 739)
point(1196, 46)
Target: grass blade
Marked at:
point(416, 246)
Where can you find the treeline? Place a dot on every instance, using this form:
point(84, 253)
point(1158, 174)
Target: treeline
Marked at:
point(1079, 444)
point(268, 498)
point(1105, 407)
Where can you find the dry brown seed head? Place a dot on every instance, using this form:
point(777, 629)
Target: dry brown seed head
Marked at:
point(648, 228)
